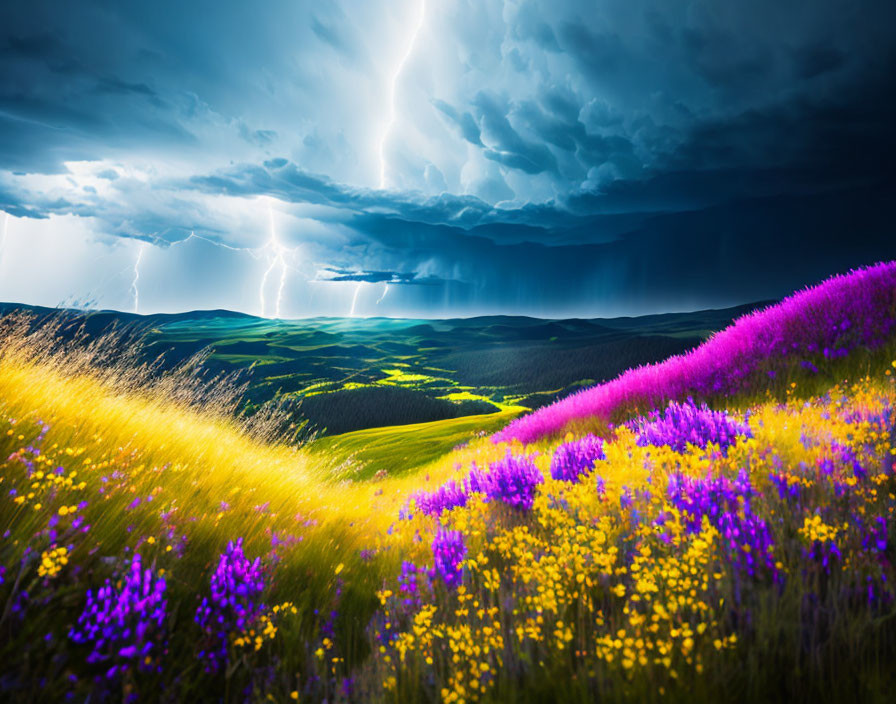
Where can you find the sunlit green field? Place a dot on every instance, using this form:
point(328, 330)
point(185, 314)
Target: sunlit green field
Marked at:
point(396, 450)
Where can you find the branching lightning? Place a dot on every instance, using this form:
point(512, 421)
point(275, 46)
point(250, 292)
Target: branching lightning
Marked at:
point(273, 250)
point(392, 88)
point(280, 288)
point(194, 236)
point(351, 313)
point(385, 291)
point(135, 289)
point(277, 259)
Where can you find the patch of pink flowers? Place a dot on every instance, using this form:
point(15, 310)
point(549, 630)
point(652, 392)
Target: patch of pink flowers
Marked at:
point(827, 321)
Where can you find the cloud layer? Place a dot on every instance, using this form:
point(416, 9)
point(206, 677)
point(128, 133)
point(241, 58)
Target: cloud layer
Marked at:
point(525, 157)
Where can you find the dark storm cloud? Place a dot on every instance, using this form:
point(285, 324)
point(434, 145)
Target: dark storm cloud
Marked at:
point(15, 205)
point(76, 85)
point(539, 153)
point(848, 132)
point(55, 106)
point(95, 80)
point(507, 146)
point(597, 53)
point(555, 121)
point(719, 58)
point(381, 277)
point(640, 271)
point(817, 59)
point(579, 219)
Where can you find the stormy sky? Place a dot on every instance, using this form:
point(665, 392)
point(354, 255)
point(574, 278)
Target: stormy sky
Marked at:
point(435, 158)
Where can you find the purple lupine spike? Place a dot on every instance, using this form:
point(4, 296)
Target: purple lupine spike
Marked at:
point(448, 552)
point(682, 424)
point(234, 605)
point(124, 625)
point(475, 483)
point(408, 585)
point(446, 497)
point(513, 480)
point(573, 459)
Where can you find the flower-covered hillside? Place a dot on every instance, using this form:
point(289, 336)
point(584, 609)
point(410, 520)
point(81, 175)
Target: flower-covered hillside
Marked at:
point(155, 551)
point(697, 555)
point(844, 315)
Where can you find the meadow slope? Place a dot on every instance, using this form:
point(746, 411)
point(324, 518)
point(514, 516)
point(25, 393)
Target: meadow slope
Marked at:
point(156, 549)
point(854, 312)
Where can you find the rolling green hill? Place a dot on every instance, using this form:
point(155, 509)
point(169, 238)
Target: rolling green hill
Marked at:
point(337, 375)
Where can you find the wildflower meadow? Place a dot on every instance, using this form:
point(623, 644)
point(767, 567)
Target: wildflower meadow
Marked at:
point(716, 527)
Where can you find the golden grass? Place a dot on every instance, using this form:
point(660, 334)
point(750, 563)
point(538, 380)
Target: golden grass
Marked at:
point(193, 454)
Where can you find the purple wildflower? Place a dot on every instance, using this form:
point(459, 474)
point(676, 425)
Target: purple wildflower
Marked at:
point(448, 552)
point(573, 459)
point(124, 625)
point(728, 506)
point(683, 424)
point(409, 583)
point(444, 498)
point(848, 457)
point(234, 606)
point(512, 480)
point(407, 580)
point(787, 491)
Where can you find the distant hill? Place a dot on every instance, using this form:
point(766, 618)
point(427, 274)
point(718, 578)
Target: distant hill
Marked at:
point(336, 372)
point(804, 336)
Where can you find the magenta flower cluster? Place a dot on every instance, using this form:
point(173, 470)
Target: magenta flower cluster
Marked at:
point(511, 480)
point(449, 551)
point(573, 459)
point(234, 605)
point(446, 497)
point(683, 424)
point(825, 322)
point(124, 626)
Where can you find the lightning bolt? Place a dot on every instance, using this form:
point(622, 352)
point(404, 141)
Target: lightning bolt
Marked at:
point(392, 89)
point(278, 251)
point(385, 291)
point(351, 313)
point(134, 284)
point(194, 236)
point(280, 289)
point(272, 248)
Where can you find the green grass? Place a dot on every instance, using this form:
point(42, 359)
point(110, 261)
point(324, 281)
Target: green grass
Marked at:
point(400, 449)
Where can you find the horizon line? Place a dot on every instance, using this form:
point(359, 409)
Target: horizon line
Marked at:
point(87, 311)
